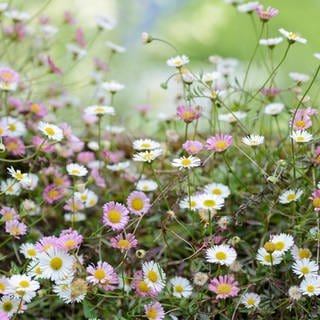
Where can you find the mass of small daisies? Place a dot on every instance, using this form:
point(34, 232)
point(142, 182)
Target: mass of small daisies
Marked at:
point(213, 215)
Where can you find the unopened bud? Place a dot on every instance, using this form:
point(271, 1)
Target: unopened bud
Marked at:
point(140, 253)
point(2, 147)
point(270, 246)
point(146, 38)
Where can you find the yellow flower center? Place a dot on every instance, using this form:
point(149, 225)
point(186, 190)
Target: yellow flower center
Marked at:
point(145, 145)
point(35, 108)
point(179, 288)
point(221, 255)
point(99, 110)
point(291, 197)
point(7, 76)
point(216, 191)
point(37, 270)
point(310, 288)
point(114, 216)
point(279, 245)
point(305, 270)
point(220, 144)
point(268, 258)
point(19, 175)
point(49, 131)
point(137, 204)
point(143, 287)
point(123, 243)
point(186, 162)
point(152, 313)
point(14, 230)
point(2, 286)
point(31, 252)
point(224, 288)
point(316, 202)
point(24, 284)
point(187, 115)
point(12, 127)
point(7, 216)
point(83, 197)
point(152, 276)
point(292, 36)
point(300, 124)
point(304, 254)
point(7, 306)
point(56, 263)
point(99, 274)
point(53, 194)
point(251, 301)
point(300, 138)
point(209, 203)
point(69, 243)
point(75, 172)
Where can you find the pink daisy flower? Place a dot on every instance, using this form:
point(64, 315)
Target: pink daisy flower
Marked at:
point(14, 146)
point(16, 228)
point(37, 109)
point(271, 92)
point(192, 146)
point(224, 286)
point(266, 14)
point(85, 157)
point(103, 275)
point(46, 243)
point(154, 311)
point(52, 193)
point(98, 179)
point(140, 287)
point(73, 205)
point(70, 239)
point(115, 215)
point(44, 146)
point(315, 197)
point(9, 214)
point(219, 143)
point(187, 114)
point(124, 243)
point(138, 203)
point(8, 77)
point(302, 120)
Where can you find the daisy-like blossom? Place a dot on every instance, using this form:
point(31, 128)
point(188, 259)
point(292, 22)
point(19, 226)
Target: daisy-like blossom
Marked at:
point(71, 290)
point(209, 201)
point(99, 110)
point(187, 114)
point(17, 174)
point(138, 203)
point(77, 170)
point(9, 79)
point(14, 146)
point(248, 7)
point(192, 146)
point(224, 286)
point(265, 14)
point(105, 22)
point(4, 285)
point(73, 204)
point(154, 311)
point(232, 116)
point(147, 156)
point(15, 128)
point(253, 140)
point(271, 42)
point(46, 243)
point(221, 254)
point(268, 259)
point(16, 228)
point(145, 144)
point(292, 37)
point(87, 197)
point(69, 239)
point(115, 48)
point(10, 187)
point(300, 253)
point(301, 121)
point(112, 86)
point(51, 131)
point(140, 286)
point(52, 193)
point(76, 52)
point(178, 61)
point(186, 162)
point(9, 214)
point(120, 166)
point(270, 92)
point(9, 305)
point(299, 77)
point(250, 300)
point(154, 275)
point(37, 109)
point(55, 264)
point(181, 287)
point(218, 189)
point(290, 195)
point(219, 143)
point(124, 243)
point(17, 15)
point(317, 55)
point(115, 215)
point(283, 242)
point(74, 217)
point(23, 287)
point(146, 185)
point(200, 279)
point(28, 250)
point(305, 267)
point(103, 274)
point(310, 286)
point(188, 203)
point(315, 197)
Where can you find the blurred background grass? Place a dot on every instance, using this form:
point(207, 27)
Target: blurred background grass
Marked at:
point(197, 28)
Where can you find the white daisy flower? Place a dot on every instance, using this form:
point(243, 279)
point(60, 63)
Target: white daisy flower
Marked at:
point(294, 293)
point(186, 162)
point(17, 15)
point(147, 156)
point(105, 23)
point(221, 254)
point(253, 140)
point(301, 136)
point(300, 253)
point(248, 7)
point(15, 128)
point(271, 42)
point(282, 242)
point(93, 145)
point(71, 290)
point(74, 216)
point(209, 201)
point(290, 195)
point(310, 286)
point(29, 182)
point(88, 197)
point(55, 264)
point(187, 203)
point(146, 185)
point(145, 144)
point(292, 37)
point(153, 275)
point(33, 269)
point(112, 86)
point(178, 61)
point(115, 48)
point(23, 287)
point(9, 305)
point(274, 108)
point(268, 259)
point(299, 77)
point(10, 187)
point(218, 189)
point(77, 170)
point(51, 131)
point(28, 250)
point(118, 166)
point(99, 110)
point(317, 55)
point(16, 174)
point(181, 287)
point(76, 52)
point(114, 129)
point(305, 267)
point(250, 300)
point(232, 117)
